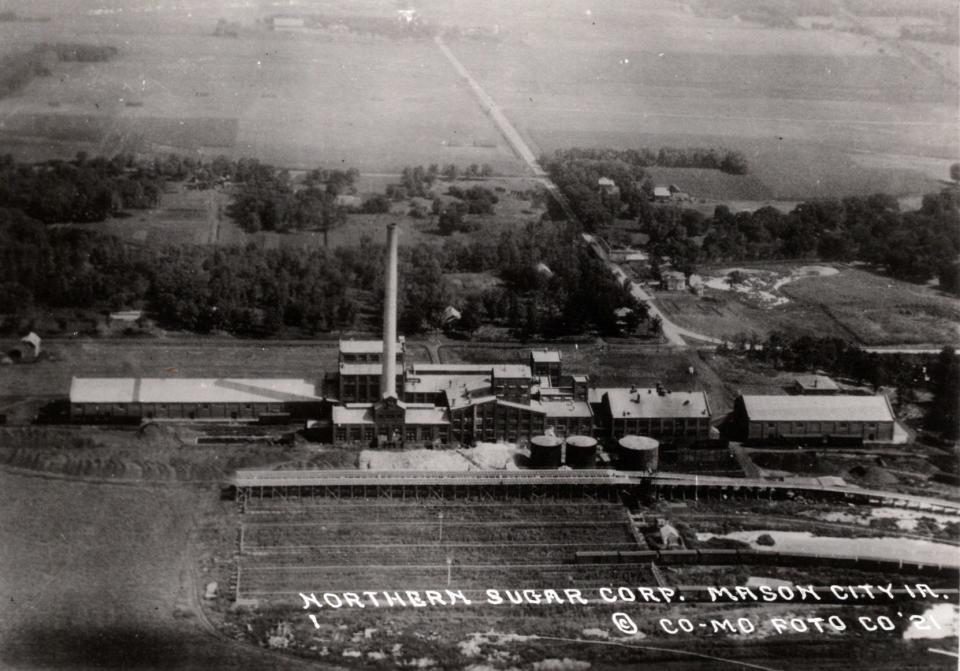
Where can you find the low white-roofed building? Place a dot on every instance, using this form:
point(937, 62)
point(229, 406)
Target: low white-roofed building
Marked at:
point(868, 418)
point(104, 399)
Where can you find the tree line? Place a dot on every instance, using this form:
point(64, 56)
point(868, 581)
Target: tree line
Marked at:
point(242, 290)
point(914, 245)
point(710, 158)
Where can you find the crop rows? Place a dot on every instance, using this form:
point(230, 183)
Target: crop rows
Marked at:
point(292, 580)
point(399, 512)
point(263, 537)
point(412, 555)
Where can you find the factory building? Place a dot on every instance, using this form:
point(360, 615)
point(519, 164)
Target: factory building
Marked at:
point(139, 399)
point(669, 416)
point(826, 419)
point(361, 367)
point(546, 363)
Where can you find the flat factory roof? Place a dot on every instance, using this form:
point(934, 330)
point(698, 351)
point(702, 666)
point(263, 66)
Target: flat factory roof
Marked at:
point(512, 371)
point(434, 384)
point(567, 408)
point(648, 404)
point(365, 346)
point(190, 390)
point(362, 368)
point(836, 408)
point(451, 368)
point(352, 415)
point(546, 356)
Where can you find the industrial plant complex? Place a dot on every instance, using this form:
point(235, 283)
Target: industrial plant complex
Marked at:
point(377, 399)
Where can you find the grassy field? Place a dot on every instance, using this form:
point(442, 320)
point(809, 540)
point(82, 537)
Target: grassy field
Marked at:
point(293, 100)
point(798, 103)
point(100, 576)
point(854, 304)
point(802, 104)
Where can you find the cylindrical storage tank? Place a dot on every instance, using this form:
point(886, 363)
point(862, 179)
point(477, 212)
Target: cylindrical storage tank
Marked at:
point(581, 452)
point(639, 453)
point(546, 452)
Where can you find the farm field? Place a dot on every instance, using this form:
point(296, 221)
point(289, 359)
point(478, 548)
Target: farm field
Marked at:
point(796, 102)
point(293, 100)
point(100, 576)
point(854, 304)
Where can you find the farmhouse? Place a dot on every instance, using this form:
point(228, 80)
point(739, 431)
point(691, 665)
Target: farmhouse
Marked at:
point(608, 187)
point(672, 280)
point(661, 194)
point(833, 418)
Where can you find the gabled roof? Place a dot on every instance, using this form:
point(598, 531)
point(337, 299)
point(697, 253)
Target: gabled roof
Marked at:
point(834, 408)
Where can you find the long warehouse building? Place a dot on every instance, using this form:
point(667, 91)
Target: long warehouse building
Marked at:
point(139, 399)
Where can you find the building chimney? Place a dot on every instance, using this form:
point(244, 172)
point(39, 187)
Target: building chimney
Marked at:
point(388, 379)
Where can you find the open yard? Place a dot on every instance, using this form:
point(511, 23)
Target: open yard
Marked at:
point(854, 304)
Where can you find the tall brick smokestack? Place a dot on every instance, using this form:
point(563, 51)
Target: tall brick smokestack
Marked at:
point(388, 379)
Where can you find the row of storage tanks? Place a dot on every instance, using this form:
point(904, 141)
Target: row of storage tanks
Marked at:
point(636, 453)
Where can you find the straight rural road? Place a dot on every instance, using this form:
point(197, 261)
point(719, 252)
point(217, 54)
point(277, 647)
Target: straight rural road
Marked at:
point(674, 334)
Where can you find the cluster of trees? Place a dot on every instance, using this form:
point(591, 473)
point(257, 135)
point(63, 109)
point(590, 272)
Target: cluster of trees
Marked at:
point(944, 34)
point(938, 373)
point(416, 181)
point(83, 53)
point(266, 200)
point(577, 172)
point(711, 158)
point(373, 25)
point(17, 69)
point(914, 245)
point(247, 291)
point(548, 287)
point(82, 190)
point(474, 200)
